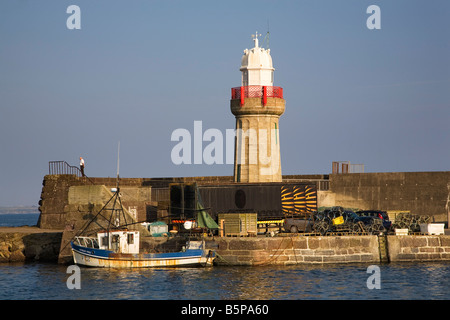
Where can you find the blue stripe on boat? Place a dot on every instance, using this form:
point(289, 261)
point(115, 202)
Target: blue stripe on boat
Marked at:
point(174, 255)
point(105, 254)
point(92, 252)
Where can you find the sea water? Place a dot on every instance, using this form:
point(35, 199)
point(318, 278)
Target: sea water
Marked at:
point(409, 281)
point(17, 220)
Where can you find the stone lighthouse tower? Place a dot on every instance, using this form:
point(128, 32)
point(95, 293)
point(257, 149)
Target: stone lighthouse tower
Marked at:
point(257, 106)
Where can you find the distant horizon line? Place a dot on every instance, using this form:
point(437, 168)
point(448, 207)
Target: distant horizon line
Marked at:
point(19, 209)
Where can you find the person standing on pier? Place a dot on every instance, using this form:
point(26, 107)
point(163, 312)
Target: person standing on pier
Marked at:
point(82, 166)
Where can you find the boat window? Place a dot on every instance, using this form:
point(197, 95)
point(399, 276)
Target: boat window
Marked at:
point(130, 238)
point(91, 243)
point(104, 241)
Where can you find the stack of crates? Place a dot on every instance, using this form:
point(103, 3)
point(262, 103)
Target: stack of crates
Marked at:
point(238, 224)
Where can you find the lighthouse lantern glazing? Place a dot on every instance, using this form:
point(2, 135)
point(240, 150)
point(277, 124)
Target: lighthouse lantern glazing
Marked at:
point(256, 66)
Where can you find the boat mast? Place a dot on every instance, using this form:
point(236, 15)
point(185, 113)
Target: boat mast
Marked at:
point(118, 162)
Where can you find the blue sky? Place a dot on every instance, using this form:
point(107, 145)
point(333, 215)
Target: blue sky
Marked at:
point(138, 70)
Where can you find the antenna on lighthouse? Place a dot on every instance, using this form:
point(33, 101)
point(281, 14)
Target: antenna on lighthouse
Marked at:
point(265, 44)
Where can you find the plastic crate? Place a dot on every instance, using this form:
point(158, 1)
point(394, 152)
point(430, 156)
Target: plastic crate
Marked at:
point(401, 232)
point(432, 228)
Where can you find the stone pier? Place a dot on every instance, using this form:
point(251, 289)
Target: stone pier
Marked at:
point(297, 250)
point(22, 244)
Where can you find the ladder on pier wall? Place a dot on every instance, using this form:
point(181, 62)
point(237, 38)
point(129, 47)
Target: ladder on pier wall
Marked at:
point(383, 248)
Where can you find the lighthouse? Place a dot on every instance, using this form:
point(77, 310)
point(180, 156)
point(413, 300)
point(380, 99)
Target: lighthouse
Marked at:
point(257, 105)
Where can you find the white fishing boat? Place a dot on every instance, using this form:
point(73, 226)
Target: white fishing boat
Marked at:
point(120, 249)
point(117, 247)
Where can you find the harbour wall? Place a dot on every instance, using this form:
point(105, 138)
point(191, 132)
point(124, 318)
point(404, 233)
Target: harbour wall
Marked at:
point(297, 250)
point(66, 197)
point(331, 249)
point(29, 244)
point(22, 245)
point(68, 201)
point(418, 248)
point(422, 193)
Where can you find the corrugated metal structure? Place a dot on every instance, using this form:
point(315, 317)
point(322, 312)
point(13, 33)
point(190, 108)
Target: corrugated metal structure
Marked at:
point(268, 200)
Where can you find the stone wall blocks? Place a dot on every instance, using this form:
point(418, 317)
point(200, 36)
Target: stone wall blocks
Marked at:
point(313, 242)
point(368, 258)
point(445, 241)
point(300, 243)
point(445, 256)
point(313, 259)
point(240, 244)
point(325, 252)
point(426, 249)
point(305, 252)
point(433, 241)
point(366, 241)
point(419, 241)
point(341, 242)
point(275, 243)
point(354, 242)
point(222, 244)
point(353, 258)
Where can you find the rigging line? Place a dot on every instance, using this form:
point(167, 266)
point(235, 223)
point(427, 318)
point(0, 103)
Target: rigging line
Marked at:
point(272, 257)
point(123, 212)
point(93, 231)
point(189, 209)
point(98, 213)
point(112, 210)
point(88, 223)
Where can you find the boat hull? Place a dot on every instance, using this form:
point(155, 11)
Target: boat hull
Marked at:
point(108, 259)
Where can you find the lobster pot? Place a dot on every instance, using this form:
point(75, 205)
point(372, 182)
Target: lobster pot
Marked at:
point(238, 224)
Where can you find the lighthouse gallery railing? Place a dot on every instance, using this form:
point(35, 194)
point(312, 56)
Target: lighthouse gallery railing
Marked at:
point(263, 92)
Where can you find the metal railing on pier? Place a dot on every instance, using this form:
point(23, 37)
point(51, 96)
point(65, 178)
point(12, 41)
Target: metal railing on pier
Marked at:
point(321, 184)
point(62, 167)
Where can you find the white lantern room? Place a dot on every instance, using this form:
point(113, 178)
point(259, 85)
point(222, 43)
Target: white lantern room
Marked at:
point(256, 66)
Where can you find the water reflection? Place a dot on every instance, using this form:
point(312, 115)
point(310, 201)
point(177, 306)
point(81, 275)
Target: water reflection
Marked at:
point(428, 280)
point(246, 283)
point(437, 280)
point(398, 281)
point(294, 282)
